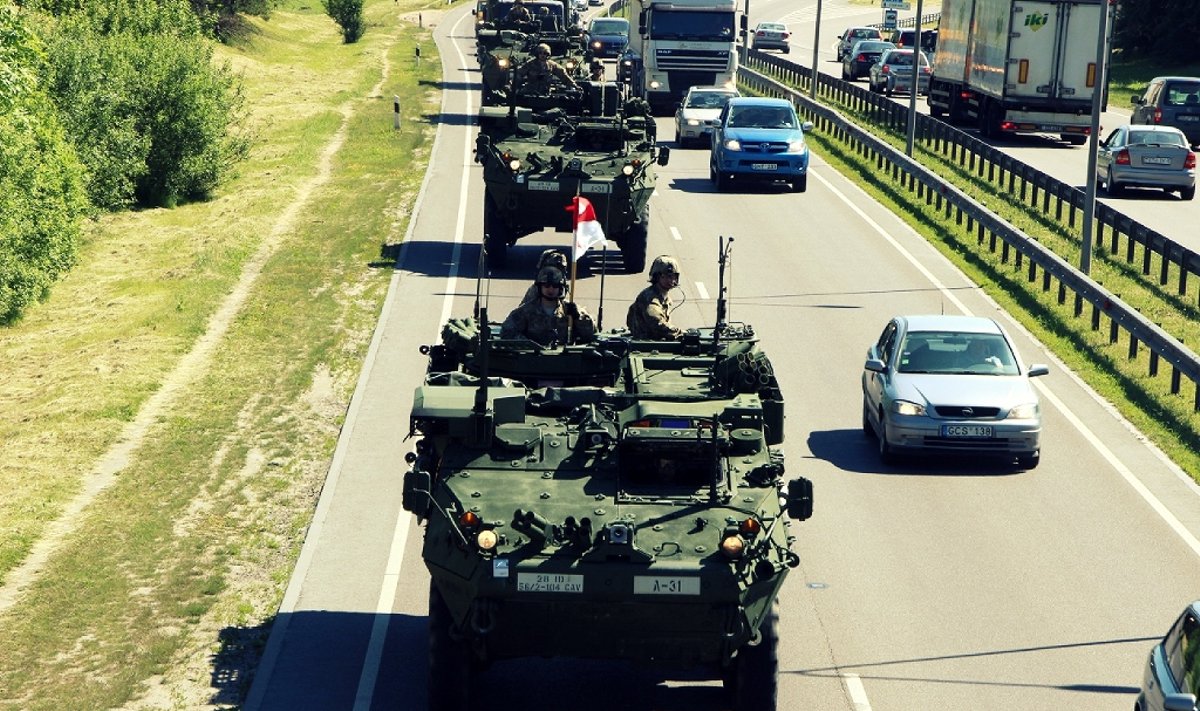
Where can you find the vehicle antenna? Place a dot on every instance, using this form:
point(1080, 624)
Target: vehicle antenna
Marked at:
point(481, 273)
point(481, 416)
point(723, 251)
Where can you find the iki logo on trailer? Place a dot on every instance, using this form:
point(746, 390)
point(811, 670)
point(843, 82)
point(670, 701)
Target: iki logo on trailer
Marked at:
point(1035, 21)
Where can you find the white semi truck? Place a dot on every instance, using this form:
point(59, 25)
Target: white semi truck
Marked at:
point(1018, 66)
point(679, 44)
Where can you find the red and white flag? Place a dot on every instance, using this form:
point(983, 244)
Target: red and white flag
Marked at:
point(588, 233)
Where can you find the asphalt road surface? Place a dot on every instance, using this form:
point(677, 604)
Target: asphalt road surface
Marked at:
point(928, 585)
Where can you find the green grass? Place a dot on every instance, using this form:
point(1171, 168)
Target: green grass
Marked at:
point(199, 533)
point(1127, 77)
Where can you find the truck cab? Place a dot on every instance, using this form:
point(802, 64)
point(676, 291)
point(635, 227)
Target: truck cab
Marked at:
point(679, 44)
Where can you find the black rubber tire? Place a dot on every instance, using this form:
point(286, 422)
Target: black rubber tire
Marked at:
point(867, 429)
point(1188, 193)
point(495, 236)
point(887, 455)
point(757, 668)
point(1029, 461)
point(800, 184)
point(451, 668)
point(633, 247)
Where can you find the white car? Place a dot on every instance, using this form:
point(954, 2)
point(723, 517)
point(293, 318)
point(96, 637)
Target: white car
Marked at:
point(698, 112)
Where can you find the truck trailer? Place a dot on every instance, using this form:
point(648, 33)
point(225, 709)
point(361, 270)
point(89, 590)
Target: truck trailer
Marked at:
point(679, 44)
point(1018, 66)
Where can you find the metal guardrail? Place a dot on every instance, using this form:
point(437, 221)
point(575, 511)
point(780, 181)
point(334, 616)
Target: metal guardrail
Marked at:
point(989, 227)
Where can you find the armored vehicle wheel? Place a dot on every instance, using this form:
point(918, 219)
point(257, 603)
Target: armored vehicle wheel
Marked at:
point(755, 672)
point(633, 243)
point(495, 236)
point(451, 668)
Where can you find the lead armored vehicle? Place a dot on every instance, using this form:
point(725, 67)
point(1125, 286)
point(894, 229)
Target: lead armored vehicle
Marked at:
point(552, 143)
point(501, 51)
point(618, 500)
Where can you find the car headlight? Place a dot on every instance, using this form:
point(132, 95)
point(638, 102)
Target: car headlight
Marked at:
point(693, 122)
point(654, 84)
point(733, 144)
point(904, 407)
point(796, 146)
point(1028, 411)
point(597, 44)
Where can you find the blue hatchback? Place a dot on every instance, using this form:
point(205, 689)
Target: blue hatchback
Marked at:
point(759, 139)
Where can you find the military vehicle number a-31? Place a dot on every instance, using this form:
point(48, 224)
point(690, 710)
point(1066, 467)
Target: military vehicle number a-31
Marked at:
point(618, 499)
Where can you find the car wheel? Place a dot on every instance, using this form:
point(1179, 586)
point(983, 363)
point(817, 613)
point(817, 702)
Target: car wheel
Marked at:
point(867, 429)
point(722, 182)
point(787, 50)
point(887, 454)
point(800, 184)
point(845, 74)
point(1188, 193)
point(678, 139)
point(887, 90)
point(1112, 187)
point(1029, 461)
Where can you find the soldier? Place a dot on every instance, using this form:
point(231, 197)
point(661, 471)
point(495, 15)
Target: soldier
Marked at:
point(518, 14)
point(549, 319)
point(649, 316)
point(550, 258)
point(540, 72)
point(596, 70)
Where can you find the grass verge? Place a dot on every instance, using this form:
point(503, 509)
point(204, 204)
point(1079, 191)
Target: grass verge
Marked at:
point(184, 557)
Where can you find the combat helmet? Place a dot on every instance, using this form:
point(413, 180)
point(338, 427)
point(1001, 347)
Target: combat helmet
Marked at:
point(552, 258)
point(542, 50)
point(552, 275)
point(663, 265)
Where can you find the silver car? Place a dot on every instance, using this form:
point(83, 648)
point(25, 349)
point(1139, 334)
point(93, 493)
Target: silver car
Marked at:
point(1146, 157)
point(951, 385)
point(894, 70)
point(698, 112)
point(1172, 678)
point(771, 35)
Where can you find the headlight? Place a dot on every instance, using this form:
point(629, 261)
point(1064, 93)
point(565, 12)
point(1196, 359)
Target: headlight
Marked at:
point(733, 144)
point(486, 540)
point(796, 146)
point(903, 407)
point(514, 165)
point(655, 84)
point(693, 122)
point(1028, 411)
point(733, 546)
point(596, 44)
point(502, 63)
point(627, 169)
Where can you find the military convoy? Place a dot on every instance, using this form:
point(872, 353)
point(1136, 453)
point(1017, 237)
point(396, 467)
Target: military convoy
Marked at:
point(542, 143)
point(619, 500)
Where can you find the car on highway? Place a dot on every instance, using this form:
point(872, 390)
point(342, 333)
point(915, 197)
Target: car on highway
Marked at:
point(854, 34)
point(595, 3)
point(945, 384)
point(904, 39)
point(698, 112)
point(581, 5)
point(771, 35)
point(759, 139)
point(607, 36)
point(1172, 678)
point(1171, 101)
point(1146, 157)
point(858, 61)
point(894, 72)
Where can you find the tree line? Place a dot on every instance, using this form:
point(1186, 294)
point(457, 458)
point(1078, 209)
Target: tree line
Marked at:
point(1164, 30)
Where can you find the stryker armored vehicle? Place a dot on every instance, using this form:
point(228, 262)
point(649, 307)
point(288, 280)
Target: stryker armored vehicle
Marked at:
point(500, 52)
point(547, 16)
point(544, 148)
point(618, 500)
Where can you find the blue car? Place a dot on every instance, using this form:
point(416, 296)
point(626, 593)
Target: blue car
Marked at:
point(759, 139)
point(608, 36)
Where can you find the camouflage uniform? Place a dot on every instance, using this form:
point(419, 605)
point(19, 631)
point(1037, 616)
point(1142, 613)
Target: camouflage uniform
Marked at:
point(519, 13)
point(533, 322)
point(538, 74)
point(649, 316)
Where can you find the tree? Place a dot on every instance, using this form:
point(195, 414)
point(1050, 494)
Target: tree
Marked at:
point(348, 14)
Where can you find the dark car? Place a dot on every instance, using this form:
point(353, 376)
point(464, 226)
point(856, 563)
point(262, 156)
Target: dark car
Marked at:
point(1171, 101)
point(1146, 157)
point(857, 62)
point(1172, 678)
point(608, 36)
point(854, 34)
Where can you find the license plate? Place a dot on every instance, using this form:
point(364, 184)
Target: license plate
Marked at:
point(1188, 118)
point(1052, 128)
point(596, 188)
point(966, 430)
point(549, 582)
point(547, 185)
point(763, 166)
point(1155, 160)
point(665, 585)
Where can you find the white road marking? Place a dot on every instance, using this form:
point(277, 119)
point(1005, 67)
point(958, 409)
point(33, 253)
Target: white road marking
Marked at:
point(856, 692)
point(1119, 466)
point(701, 291)
point(675, 234)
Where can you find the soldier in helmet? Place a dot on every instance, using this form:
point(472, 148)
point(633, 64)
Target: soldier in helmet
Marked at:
point(548, 319)
point(539, 73)
point(649, 316)
point(518, 14)
point(550, 258)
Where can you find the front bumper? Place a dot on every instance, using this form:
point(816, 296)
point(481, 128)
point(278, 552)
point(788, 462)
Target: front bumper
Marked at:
point(920, 434)
point(762, 166)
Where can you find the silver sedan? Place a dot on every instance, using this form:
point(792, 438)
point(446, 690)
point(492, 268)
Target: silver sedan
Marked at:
point(950, 385)
point(1146, 157)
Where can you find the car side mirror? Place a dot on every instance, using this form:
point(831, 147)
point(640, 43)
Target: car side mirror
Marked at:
point(1179, 702)
point(800, 499)
point(1038, 369)
point(1137, 100)
point(874, 365)
point(664, 155)
point(806, 126)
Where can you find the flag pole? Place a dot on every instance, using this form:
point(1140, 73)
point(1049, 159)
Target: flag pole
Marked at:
point(604, 263)
point(574, 262)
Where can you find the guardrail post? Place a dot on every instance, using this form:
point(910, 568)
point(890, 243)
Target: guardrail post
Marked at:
point(1133, 346)
point(1153, 363)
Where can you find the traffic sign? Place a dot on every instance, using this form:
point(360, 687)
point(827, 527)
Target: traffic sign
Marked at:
point(889, 19)
point(897, 5)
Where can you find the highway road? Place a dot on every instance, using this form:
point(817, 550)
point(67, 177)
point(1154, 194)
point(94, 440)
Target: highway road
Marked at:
point(928, 585)
point(1167, 214)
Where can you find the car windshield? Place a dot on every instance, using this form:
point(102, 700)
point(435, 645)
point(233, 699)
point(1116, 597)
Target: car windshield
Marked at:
point(762, 117)
point(1156, 138)
point(707, 99)
point(904, 59)
point(952, 353)
point(1182, 93)
point(609, 27)
point(864, 34)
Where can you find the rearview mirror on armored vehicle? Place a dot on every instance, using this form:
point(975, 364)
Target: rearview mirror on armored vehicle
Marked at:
point(664, 154)
point(800, 499)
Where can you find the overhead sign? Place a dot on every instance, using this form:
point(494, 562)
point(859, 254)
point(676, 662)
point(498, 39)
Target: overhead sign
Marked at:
point(889, 19)
point(897, 5)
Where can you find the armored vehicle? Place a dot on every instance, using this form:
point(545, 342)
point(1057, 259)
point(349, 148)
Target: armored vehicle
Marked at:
point(544, 148)
point(617, 500)
point(501, 51)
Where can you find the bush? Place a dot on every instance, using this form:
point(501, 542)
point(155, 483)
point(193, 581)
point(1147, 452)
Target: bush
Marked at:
point(349, 16)
point(151, 115)
point(41, 192)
